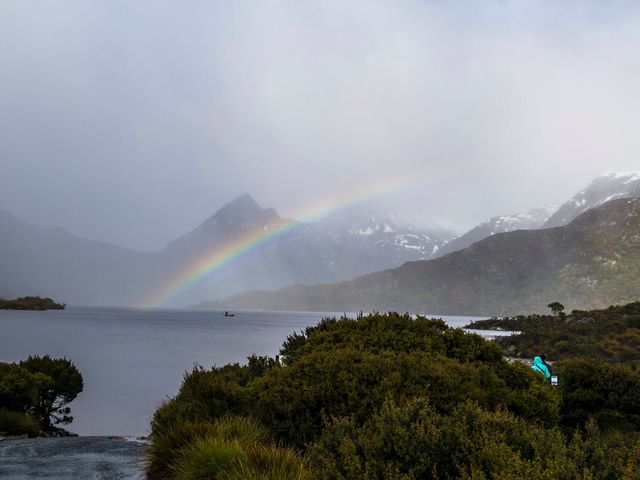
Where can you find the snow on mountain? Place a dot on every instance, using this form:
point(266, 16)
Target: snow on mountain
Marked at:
point(530, 220)
point(523, 221)
point(601, 190)
point(379, 228)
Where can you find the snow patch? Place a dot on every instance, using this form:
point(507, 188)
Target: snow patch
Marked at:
point(633, 176)
point(610, 197)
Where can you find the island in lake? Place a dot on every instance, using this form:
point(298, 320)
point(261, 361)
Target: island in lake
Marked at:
point(31, 303)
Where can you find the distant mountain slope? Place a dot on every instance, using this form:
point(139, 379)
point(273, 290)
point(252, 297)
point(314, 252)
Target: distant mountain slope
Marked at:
point(51, 262)
point(604, 188)
point(531, 220)
point(592, 262)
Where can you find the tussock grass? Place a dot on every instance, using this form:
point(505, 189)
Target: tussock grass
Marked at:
point(269, 462)
point(228, 448)
point(207, 458)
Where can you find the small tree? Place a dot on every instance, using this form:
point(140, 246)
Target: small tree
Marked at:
point(52, 399)
point(557, 309)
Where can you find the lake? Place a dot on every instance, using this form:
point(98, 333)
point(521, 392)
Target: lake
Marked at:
point(133, 359)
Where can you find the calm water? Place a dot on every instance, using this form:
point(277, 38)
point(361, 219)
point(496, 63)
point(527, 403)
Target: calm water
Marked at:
point(131, 359)
point(79, 458)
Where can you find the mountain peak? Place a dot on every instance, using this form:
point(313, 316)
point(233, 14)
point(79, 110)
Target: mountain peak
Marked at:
point(243, 212)
point(244, 200)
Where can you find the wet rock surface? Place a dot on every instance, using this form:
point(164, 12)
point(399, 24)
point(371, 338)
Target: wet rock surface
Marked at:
point(96, 458)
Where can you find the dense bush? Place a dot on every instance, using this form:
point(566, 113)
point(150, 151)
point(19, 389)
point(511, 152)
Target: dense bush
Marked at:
point(612, 334)
point(608, 393)
point(391, 332)
point(293, 400)
point(325, 376)
point(597, 354)
point(41, 387)
point(413, 441)
point(388, 396)
point(18, 423)
point(20, 388)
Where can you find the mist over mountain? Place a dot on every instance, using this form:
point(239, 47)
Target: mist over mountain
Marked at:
point(343, 245)
point(51, 262)
point(530, 220)
point(593, 261)
point(602, 189)
point(340, 246)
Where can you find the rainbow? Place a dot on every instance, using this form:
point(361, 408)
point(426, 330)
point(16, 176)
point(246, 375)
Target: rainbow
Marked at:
point(221, 255)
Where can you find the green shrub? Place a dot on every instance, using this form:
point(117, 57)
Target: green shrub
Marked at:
point(413, 441)
point(607, 393)
point(388, 396)
point(41, 386)
point(19, 387)
point(53, 399)
point(207, 395)
point(350, 367)
point(390, 332)
point(293, 400)
point(18, 423)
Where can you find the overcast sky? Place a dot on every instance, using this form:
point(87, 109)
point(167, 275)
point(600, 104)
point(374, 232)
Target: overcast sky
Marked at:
point(132, 121)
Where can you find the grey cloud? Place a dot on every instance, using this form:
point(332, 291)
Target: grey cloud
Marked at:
point(133, 121)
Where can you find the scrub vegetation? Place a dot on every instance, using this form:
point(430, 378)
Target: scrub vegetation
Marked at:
point(35, 393)
point(30, 303)
point(610, 335)
point(388, 396)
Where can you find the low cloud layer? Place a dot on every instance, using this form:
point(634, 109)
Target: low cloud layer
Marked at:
point(133, 121)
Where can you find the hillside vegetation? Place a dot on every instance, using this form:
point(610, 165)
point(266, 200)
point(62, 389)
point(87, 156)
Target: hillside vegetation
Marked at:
point(387, 396)
point(30, 303)
point(611, 334)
